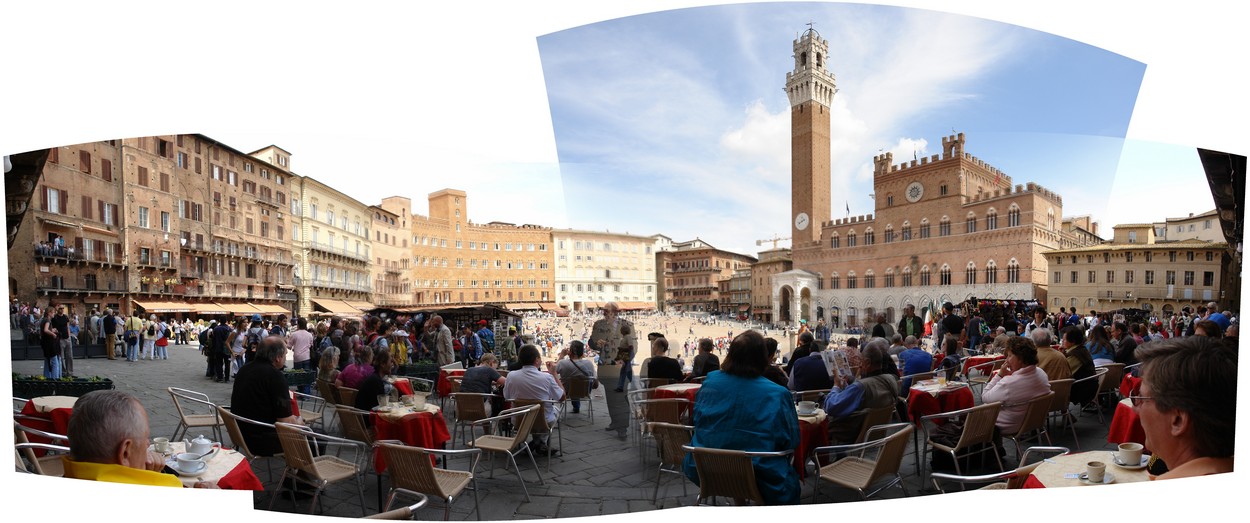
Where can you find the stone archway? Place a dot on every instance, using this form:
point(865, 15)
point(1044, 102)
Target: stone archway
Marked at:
point(783, 304)
point(805, 304)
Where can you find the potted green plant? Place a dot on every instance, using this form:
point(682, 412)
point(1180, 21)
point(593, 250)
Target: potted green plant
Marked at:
point(296, 377)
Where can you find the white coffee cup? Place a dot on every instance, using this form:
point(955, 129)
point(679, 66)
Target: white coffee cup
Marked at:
point(807, 407)
point(1094, 471)
point(188, 462)
point(1130, 454)
point(160, 445)
point(384, 400)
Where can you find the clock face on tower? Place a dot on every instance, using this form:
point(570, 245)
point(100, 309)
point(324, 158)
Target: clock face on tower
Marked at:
point(801, 221)
point(914, 191)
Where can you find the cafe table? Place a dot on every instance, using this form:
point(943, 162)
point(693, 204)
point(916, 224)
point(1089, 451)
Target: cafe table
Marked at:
point(1127, 384)
point(1054, 471)
point(228, 467)
point(52, 412)
point(974, 361)
point(423, 427)
point(929, 397)
point(1126, 425)
point(687, 391)
point(444, 385)
point(813, 432)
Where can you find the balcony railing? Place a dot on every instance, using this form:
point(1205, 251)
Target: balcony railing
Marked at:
point(72, 254)
point(325, 247)
point(318, 282)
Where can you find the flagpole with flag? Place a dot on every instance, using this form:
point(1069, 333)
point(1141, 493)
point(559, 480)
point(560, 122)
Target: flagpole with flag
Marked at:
point(848, 209)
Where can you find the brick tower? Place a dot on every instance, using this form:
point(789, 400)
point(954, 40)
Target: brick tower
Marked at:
point(810, 88)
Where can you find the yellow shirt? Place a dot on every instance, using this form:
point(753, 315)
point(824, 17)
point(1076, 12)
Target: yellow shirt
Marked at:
point(118, 474)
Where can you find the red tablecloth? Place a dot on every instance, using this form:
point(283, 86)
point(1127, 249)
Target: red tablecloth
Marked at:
point(56, 421)
point(1126, 426)
point(444, 386)
point(920, 403)
point(1128, 384)
point(811, 435)
point(404, 386)
point(241, 477)
point(1032, 482)
point(421, 429)
point(973, 361)
point(686, 391)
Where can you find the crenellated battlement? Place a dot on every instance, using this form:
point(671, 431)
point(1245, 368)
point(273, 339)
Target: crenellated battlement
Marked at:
point(1016, 191)
point(863, 218)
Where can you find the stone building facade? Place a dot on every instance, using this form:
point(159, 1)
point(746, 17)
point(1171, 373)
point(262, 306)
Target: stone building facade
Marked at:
point(1138, 271)
point(392, 229)
point(692, 272)
point(178, 224)
point(334, 250)
point(458, 262)
point(596, 267)
point(771, 263)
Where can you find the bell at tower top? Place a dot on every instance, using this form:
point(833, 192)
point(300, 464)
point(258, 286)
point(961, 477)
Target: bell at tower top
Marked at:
point(811, 79)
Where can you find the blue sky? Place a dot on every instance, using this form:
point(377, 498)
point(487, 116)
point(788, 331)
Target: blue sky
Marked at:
point(676, 122)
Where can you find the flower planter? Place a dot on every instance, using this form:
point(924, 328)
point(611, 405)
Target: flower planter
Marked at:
point(31, 387)
point(295, 377)
point(80, 386)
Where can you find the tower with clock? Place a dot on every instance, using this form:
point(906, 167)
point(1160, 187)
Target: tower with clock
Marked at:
point(810, 88)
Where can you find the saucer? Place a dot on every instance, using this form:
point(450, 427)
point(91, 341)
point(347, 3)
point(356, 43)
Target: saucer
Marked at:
point(1115, 460)
point(173, 465)
point(380, 408)
point(1107, 479)
point(152, 448)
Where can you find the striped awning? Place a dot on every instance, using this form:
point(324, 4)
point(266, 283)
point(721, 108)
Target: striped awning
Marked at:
point(163, 306)
point(270, 310)
point(337, 307)
point(208, 308)
point(523, 306)
point(635, 305)
point(239, 309)
point(362, 306)
point(549, 306)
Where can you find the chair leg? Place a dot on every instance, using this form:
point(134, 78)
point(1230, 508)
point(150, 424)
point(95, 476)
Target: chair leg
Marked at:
point(517, 468)
point(278, 490)
point(390, 499)
point(659, 473)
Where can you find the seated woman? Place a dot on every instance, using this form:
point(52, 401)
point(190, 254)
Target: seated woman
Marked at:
point(355, 373)
point(774, 372)
point(738, 408)
point(662, 366)
point(1099, 346)
point(1017, 382)
point(1186, 402)
point(950, 363)
point(1081, 364)
point(328, 365)
point(375, 384)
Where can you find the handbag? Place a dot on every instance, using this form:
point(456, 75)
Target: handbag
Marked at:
point(594, 383)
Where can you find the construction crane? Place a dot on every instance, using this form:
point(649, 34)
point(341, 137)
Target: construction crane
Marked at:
point(774, 239)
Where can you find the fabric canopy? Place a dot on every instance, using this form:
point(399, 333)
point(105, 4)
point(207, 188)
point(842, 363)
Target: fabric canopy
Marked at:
point(240, 309)
point(163, 306)
point(208, 308)
point(338, 307)
point(269, 310)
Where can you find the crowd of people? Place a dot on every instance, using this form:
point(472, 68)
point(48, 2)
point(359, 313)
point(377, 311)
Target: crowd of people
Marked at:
point(1185, 400)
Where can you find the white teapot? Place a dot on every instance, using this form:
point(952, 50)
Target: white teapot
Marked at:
point(199, 445)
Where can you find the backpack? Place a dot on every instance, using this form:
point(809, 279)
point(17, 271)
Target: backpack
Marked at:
point(151, 329)
point(253, 340)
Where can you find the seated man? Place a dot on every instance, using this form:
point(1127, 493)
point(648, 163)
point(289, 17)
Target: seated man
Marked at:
point(108, 434)
point(846, 403)
point(576, 366)
point(1051, 361)
point(914, 361)
point(705, 361)
point(530, 383)
point(662, 366)
point(261, 394)
point(810, 372)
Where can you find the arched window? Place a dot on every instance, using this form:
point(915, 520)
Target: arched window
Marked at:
point(944, 275)
point(834, 282)
point(970, 274)
point(924, 228)
point(1050, 218)
point(834, 241)
point(850, 280)
point(870, 280)
point(924, 276)
point(889, 277)
point(991, 220)
point(906, 231)
point(1013, 271)
point(907, 277)
point(889, 233)
point(970, 224)
point(991, 272)
point(850, 239)
point(944, 227)
point(869, 237)
point(1013, 216)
